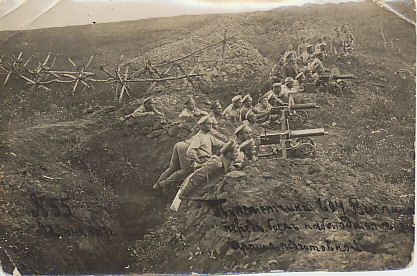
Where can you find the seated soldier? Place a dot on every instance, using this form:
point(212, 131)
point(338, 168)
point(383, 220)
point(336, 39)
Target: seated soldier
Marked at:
point(272, 95)
point(302, 48)
point(246, 154)
point(262, 111)
point(147, 108)
point(204, 178)
point(317, 65)
point(202, 144)
point(232, 112)
point(348, 39)
point(249, 150)
point(286, 90)
point(242, 133)
point(290, 68)
point(290, 50)
point(337, 48)
point(318, 44)
point(276, 73)
point(216, 112)
point(178, 170)
point(308, 76)
point(246, 105)
point(191, 111)
point(307, 56)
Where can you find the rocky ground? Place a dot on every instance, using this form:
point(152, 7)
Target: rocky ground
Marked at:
point(75, 180)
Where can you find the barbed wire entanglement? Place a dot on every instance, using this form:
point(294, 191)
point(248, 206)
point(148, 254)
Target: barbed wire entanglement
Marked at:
point(40, 73)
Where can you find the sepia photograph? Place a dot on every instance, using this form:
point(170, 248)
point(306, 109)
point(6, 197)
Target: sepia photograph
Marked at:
point(207, 136)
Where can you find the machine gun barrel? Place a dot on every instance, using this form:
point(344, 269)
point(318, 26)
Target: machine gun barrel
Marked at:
point(344, 77)
point(277, 110)
point(303, 106)
point(307, 132)
point(275, 138)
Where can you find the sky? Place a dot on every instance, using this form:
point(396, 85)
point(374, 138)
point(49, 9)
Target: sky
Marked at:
point(35, 14)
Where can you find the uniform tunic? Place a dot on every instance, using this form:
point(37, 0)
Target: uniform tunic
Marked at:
point(186, 113)
point(290, 70)
point(232, 114)
point(214, 168)
point(201, 145)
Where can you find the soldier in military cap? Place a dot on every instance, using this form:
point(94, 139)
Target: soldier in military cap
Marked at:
point(146, 109)
point(248, 148)
point(337, 43)
point(290, 69)
point(348, 39)
point(202, 144)
point(302, 48)
point(247, 104)
point(204, 178)
point(232, 112)
point(262, 110)
point(307, 56)
point(216, 112)
point(242, 133)
point(191, 111)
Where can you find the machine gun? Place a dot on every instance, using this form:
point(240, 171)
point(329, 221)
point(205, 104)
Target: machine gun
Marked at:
point(336, 83)
point(296, 143)
point(298, 116)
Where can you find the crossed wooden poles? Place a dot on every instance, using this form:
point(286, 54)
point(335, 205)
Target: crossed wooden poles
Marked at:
point(40, 76)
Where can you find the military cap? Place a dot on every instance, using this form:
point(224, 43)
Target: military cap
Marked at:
point(289, 79)
point(246, 98)
point(277, 84)
point(241, 128)
point(149, 99)
point(228, 147)
point(237, 98)
point(189, 99)
point(215, 104)
point(246, 144)
point(205, 119)
point(309, 46)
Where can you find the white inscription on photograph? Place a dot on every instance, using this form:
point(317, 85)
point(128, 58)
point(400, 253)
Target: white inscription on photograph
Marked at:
point(206, 136)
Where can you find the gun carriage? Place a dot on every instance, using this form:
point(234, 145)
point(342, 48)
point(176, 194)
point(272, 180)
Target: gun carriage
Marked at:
point(335, 84)
point(289, 143)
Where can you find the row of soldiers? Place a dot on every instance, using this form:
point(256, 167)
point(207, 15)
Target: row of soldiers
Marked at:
point(196, 161)
point(306, 65)
point(241, 109)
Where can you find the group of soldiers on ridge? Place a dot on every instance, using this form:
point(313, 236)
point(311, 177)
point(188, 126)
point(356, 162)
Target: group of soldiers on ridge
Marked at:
point(195, 160)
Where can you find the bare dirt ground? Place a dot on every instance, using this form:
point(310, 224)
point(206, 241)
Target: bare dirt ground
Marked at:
point(76, 197)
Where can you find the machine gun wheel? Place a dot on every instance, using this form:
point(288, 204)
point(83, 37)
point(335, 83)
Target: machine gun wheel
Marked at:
point(302, 140)
point(335, 89)
point(305, 150)
point(344, 86)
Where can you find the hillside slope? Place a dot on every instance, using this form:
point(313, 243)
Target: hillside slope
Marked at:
point(72, 152)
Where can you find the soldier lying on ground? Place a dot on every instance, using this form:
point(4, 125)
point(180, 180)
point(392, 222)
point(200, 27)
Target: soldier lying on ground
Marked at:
point(147, 108)
point(178, 170)
point(201, 144)
point(191, 111)
point(217, 166)
point(232, 112)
